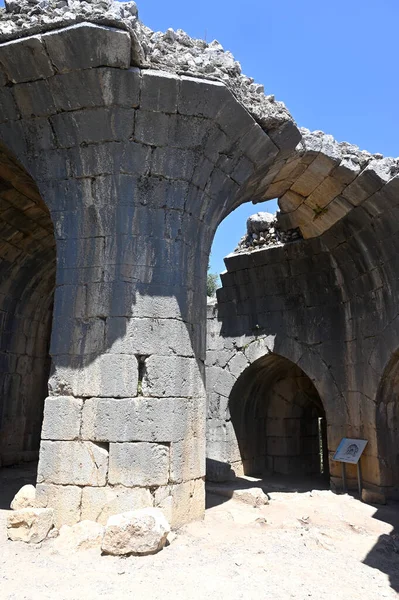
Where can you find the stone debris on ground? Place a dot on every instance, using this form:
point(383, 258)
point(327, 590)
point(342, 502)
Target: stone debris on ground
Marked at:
point(31, 525)
point(138, 532)
point(82, 536)
point(263, 230)
point(25, 498)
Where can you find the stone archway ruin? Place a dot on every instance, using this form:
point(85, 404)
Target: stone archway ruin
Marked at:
point(137, 149)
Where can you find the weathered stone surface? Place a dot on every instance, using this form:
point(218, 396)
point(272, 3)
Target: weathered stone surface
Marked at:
point(98, 504)
point(139, 419)
point(138, 464)
point(62, 418)
point(25, 60)
point(138, 532)
point(86, 46)
point(72, 463)
point(82, 536)
point(65, 500)
point(25, 498)
point(30, 525)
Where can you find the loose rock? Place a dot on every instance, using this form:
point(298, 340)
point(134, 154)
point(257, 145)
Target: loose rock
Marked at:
point(137, 532)
point(25, 498)
point(30, 525)
point(82, 536)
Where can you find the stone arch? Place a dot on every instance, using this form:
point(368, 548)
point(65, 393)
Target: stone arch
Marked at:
point(27, 279)
point(278, 418)
point(387, 427)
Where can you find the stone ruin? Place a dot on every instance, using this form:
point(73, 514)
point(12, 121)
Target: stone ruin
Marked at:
point(121, 152)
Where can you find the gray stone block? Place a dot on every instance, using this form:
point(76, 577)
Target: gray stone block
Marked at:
point(85, 46)
point(138, 464)
point(34, 99)
point(9, 110)
point(134, 419)
point(152, 128)
point(121, 87)
point(93, 126)
point(187, 460)
point(199, 97)
point(62, 418)
point(172, 376)
point(174, 163)
point(76, 89)
point(105, 376)
point(25, 60)
point(110, 158)
point(72, 463)
point(149, 336)
point(159, 91)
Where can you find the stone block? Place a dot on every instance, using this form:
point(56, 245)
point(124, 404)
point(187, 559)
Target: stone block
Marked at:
point(138, 464)
point(34, 99)
point(62, 417)
point(65, 500)
point(98, 504)
point(187, 459)
point(149, 336)
point(183, 502)
point(72, 463)
point(121, 87)
point(110, 159)
point(258, 147)
point(172, 376)
point(174, 163)
point(9, 111)
point(198, 97)
point(159, 91)
point(93, 126)
point(86, 46)
point(30, 525)
point(76, 89)
point(106, 376)
point(368, 182)
point(25, 60)
point(39, 134)
point(139, 532)
point(152, 128)
point(314, 175)
point(134, 419)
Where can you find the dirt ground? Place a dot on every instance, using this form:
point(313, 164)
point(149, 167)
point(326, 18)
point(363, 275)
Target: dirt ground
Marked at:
point(306, 544)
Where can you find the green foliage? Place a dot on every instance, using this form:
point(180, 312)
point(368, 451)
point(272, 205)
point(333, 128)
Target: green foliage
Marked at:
point(211, 284)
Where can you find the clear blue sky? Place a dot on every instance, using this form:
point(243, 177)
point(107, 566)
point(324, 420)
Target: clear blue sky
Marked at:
point(333, 63)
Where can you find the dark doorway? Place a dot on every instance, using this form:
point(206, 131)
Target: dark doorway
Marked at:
point(27, 280)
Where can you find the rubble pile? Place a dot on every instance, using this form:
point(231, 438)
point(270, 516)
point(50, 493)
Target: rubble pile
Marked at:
point(263, 230)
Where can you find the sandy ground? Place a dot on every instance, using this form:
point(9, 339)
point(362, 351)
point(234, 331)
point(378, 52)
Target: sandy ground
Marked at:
point(311, 544)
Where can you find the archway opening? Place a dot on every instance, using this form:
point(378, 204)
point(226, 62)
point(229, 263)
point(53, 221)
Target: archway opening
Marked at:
point(387, 426)
point(27, 280)
point(279, 422)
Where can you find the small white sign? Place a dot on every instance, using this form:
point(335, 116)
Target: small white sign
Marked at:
point(350, 451)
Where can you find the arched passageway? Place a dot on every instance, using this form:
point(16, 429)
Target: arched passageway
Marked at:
point(279, 420)
point(387, 426)
point(27, 279)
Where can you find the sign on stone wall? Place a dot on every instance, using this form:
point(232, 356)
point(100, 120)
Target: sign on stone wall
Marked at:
point(350, 451)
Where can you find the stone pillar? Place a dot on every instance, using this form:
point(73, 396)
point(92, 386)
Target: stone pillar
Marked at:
point(137, 168)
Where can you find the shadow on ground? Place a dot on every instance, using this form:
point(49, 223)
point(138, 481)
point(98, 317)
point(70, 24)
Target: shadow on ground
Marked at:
point(384, 556)
point(12, 479)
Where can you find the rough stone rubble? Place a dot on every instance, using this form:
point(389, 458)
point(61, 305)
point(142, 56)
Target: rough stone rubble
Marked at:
point(263, 230)
point(173, 51)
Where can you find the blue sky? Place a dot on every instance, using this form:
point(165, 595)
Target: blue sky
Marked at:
point(333, 63)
